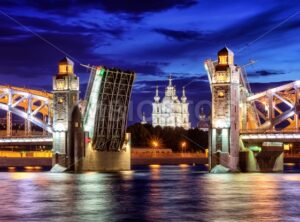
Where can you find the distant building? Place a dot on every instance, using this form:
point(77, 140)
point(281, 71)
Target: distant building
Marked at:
point(203, 121)
point(144, 119)
point(170, 111)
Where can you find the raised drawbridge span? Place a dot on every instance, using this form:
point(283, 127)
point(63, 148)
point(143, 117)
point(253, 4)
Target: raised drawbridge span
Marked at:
point(86, 134)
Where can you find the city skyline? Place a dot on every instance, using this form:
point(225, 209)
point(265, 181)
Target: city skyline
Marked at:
point(143, 38)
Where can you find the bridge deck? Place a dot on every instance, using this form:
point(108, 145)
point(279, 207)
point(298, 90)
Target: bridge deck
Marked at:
point(280, 136)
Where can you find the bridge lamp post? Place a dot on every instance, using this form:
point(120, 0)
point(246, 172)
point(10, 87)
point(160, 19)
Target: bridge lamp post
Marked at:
point(183, 146)
point(155, 145)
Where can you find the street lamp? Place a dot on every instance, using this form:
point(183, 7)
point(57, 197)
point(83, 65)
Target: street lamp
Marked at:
point(183, 146)
point(155, 144)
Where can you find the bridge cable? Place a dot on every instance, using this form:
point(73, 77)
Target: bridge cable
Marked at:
point(40, 37)
point(267, 32)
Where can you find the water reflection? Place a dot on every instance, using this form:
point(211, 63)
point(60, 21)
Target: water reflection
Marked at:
point(150, 193)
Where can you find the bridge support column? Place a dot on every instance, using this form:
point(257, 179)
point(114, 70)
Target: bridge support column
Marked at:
point(297, 107)
point(270, 109)
point(8, 123)
point(262, 157)
point(27, 127)
point(45, 122)
point(225, 114)
point(65, 98)
point(27, 121)
point(9, 114)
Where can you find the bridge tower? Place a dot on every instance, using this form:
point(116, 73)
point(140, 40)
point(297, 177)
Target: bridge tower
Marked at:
point(65, 97)
point(224, 130)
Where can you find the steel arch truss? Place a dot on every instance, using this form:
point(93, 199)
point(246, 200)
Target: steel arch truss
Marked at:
point(32, 105)
point(277, 108)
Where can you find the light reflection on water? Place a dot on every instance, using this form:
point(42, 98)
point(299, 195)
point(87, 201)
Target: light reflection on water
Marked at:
point(154, 193)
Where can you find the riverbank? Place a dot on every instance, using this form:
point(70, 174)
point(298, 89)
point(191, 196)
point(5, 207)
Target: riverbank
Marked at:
point(136, 160)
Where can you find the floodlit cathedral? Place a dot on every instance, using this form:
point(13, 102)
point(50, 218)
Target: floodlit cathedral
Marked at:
point(170, 111)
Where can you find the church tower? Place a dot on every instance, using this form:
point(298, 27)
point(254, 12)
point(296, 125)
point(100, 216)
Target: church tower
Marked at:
point(184, 110)
point(65, 97)
point(156, 112)
point(224, 134)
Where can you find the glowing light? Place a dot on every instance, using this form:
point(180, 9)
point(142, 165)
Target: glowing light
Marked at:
point(223, 60)
point(183, 165)
point(22, 140)
point(255, 148)
point(286, 147)
point(155, 166)
point(183, 146)
point(221, 93)
point(21, 176)
point(155, 144)
point(290, 164)
point(220, 123)
point(65, 69)
point(60, 127)
point(11, 168)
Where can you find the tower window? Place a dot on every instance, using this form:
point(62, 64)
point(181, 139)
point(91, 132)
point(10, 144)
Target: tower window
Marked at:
point(221, 94)
point(60, 100)
point(223, 60)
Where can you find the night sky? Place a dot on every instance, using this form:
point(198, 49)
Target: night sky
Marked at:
point(153, 38)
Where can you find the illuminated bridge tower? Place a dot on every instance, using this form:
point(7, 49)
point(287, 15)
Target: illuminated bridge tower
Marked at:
point(224, 131)
point(65, 97)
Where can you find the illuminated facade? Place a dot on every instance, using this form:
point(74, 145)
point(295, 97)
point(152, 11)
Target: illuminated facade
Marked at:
point(170, 111)
point(247, 130)
point(225, 87)
point(65, 97)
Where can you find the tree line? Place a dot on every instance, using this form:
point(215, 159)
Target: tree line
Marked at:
point(178, 139)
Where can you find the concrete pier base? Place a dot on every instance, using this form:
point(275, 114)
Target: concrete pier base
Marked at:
point(102, 161)
point(266, 160)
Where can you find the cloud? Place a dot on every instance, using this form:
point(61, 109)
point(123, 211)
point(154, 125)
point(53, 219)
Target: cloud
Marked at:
point(179, 35)
point(257, 87)
point(259, 73)
point(134, 7)
point(238, 35)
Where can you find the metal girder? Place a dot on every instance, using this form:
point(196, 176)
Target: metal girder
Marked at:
point(22, 102)
point(280, 104)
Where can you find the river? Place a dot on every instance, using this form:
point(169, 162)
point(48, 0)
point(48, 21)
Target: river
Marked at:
point(151, 193)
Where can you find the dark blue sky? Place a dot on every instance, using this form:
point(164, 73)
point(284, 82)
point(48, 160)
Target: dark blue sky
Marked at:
point(153, 38)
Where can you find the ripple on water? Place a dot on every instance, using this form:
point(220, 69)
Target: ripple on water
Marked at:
point(155, 193)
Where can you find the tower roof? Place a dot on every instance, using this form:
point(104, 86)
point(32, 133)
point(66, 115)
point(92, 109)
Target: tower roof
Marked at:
point(66, 61)
point(225, 51)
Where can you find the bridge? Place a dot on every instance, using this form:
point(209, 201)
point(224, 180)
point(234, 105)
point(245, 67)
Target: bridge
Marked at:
point(34, 107)
point(248, 130)
point(77, 129)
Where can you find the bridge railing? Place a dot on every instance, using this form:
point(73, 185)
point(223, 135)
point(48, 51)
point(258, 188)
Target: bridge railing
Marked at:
point(263, 131)
point(21, 133)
